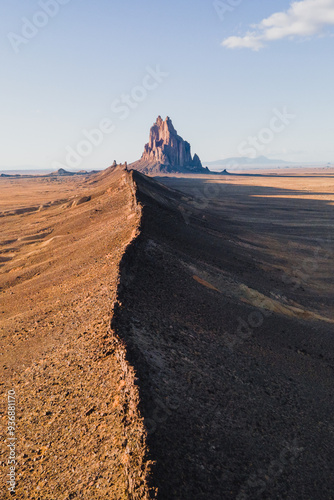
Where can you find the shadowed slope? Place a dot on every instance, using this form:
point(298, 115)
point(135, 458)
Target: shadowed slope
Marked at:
point(236, 393)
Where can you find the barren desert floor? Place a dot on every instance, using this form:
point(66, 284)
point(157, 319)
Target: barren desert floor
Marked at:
point(172, 333)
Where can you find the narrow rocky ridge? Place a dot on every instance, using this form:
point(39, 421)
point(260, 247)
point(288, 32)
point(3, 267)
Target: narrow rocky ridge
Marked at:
point(128, 355)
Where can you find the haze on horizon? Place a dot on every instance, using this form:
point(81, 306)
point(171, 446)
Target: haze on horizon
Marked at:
point(223, 73)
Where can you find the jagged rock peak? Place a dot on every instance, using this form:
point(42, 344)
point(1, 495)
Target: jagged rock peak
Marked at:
point(166, 152)
point(166, 147)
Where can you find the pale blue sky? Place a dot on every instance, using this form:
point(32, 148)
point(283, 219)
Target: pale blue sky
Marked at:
point(218, 93)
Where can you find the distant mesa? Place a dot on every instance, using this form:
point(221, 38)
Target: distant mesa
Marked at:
point(167, 152)
point(63, 172)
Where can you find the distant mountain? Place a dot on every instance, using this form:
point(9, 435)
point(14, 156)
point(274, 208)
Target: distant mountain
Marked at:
point(59, 173)
point(167, 152)
point(235, 161)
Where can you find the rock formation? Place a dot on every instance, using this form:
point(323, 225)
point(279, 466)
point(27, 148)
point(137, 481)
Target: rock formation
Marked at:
point(167, 152)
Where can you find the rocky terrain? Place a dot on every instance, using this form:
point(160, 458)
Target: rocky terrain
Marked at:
point(172, 335)
point(167, 152)
point(79, 432)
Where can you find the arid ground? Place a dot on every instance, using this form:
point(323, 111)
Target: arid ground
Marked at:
point(182, 321)
point(79, 434)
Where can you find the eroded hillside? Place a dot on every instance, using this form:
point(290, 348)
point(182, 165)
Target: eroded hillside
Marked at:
point(79, 432)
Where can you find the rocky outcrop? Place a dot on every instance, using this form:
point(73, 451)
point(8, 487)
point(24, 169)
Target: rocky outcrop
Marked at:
point(167, 152)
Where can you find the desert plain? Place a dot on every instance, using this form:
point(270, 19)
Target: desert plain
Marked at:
point(169, 337)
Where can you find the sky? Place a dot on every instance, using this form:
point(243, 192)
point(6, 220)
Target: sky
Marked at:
point(83, 81)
